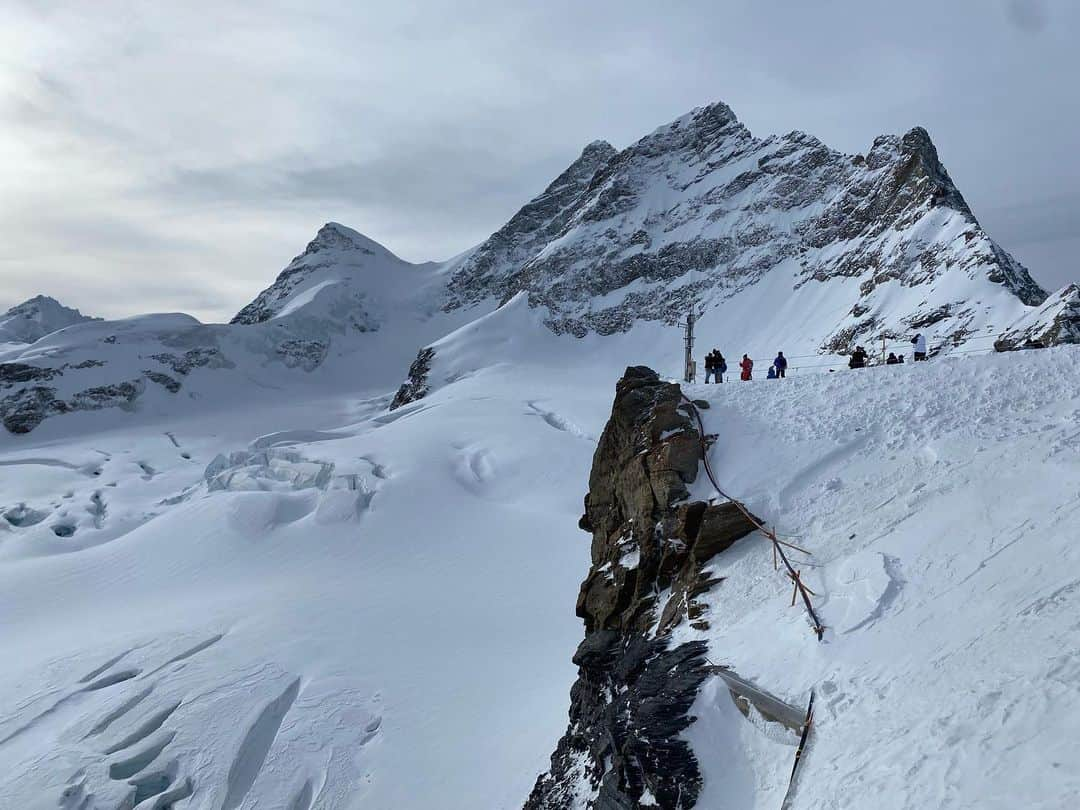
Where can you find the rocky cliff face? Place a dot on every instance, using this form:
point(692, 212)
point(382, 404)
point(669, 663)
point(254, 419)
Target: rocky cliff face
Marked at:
point(1055, 323)
point(702, 209)
point(650, 546)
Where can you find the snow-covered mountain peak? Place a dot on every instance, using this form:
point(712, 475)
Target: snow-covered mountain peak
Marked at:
point(37, 317)
point(700, 129)
point(337, 255)
point(769, 229)
point(335, 236)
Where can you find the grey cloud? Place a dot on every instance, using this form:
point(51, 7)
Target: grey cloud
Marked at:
point(1027, 15)
point(203, 143)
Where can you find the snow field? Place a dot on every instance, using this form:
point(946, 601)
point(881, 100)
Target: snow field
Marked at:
point(312, 601)
point(939, 502)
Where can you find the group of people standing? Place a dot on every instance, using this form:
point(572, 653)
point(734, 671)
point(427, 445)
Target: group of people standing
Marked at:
point(716, 367)
point(918, 344)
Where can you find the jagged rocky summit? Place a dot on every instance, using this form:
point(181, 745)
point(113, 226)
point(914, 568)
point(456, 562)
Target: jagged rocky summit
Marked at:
point(650, 550)
point(702, 210)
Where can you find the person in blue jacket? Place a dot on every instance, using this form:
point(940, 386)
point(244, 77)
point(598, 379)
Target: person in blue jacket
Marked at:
point(772, 373)
point(780, 364)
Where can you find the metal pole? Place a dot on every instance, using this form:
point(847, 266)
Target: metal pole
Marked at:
point(689, 371)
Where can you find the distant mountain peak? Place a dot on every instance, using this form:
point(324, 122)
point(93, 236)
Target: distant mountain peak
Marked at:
point(335, 236)
point(36, 317)
point(334, 253)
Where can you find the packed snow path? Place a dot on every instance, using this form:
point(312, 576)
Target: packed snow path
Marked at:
point(318, 604)
point(940, 501)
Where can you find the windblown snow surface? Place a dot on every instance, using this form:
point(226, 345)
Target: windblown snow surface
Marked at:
point(312, 602)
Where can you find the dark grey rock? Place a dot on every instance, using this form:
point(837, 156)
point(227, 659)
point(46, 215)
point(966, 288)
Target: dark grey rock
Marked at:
point(26, 408)
point(184, 364)
point(305, 354)
point(164, 380)
point(416, 385)
point(20, 373)
point(634, 690)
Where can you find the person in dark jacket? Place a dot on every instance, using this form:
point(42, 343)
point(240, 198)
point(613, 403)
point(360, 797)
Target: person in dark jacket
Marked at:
point(780, 364)
point(858, 358)
point(771, 374)
point(891, 360)
point(747, 366)
point(710, 365)
point(721, 366)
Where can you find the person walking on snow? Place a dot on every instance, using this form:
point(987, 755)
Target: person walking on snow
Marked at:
point(780, 364)
point(919, 346)
point(747, 366)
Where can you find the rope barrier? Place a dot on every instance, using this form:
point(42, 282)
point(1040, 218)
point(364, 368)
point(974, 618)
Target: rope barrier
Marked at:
point(778, 545)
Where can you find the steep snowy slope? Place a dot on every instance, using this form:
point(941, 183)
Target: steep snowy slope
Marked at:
point(32, 320)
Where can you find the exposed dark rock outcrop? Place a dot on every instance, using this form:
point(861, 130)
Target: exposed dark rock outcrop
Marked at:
point(416, 385)
point(1055, 323)
point(184, 364)
point(650, 550)
point(28, 407)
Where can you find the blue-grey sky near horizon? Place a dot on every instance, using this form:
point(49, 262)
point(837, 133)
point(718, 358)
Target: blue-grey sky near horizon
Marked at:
point(175, 156)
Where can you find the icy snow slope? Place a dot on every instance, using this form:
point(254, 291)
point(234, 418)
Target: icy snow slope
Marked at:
point(941, 502)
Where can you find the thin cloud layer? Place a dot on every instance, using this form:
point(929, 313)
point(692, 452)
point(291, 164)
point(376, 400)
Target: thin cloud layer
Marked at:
point(175, 158)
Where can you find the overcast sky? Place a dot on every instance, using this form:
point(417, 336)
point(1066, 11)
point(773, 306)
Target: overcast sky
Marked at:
point(175, 155)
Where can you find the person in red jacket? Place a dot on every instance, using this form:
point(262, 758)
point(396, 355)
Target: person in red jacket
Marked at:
point(747, 366)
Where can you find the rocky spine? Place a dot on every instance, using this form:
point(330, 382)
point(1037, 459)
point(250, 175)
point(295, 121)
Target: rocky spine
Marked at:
point(650, 551)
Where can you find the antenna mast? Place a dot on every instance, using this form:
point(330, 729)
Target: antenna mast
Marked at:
point(690, 367)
